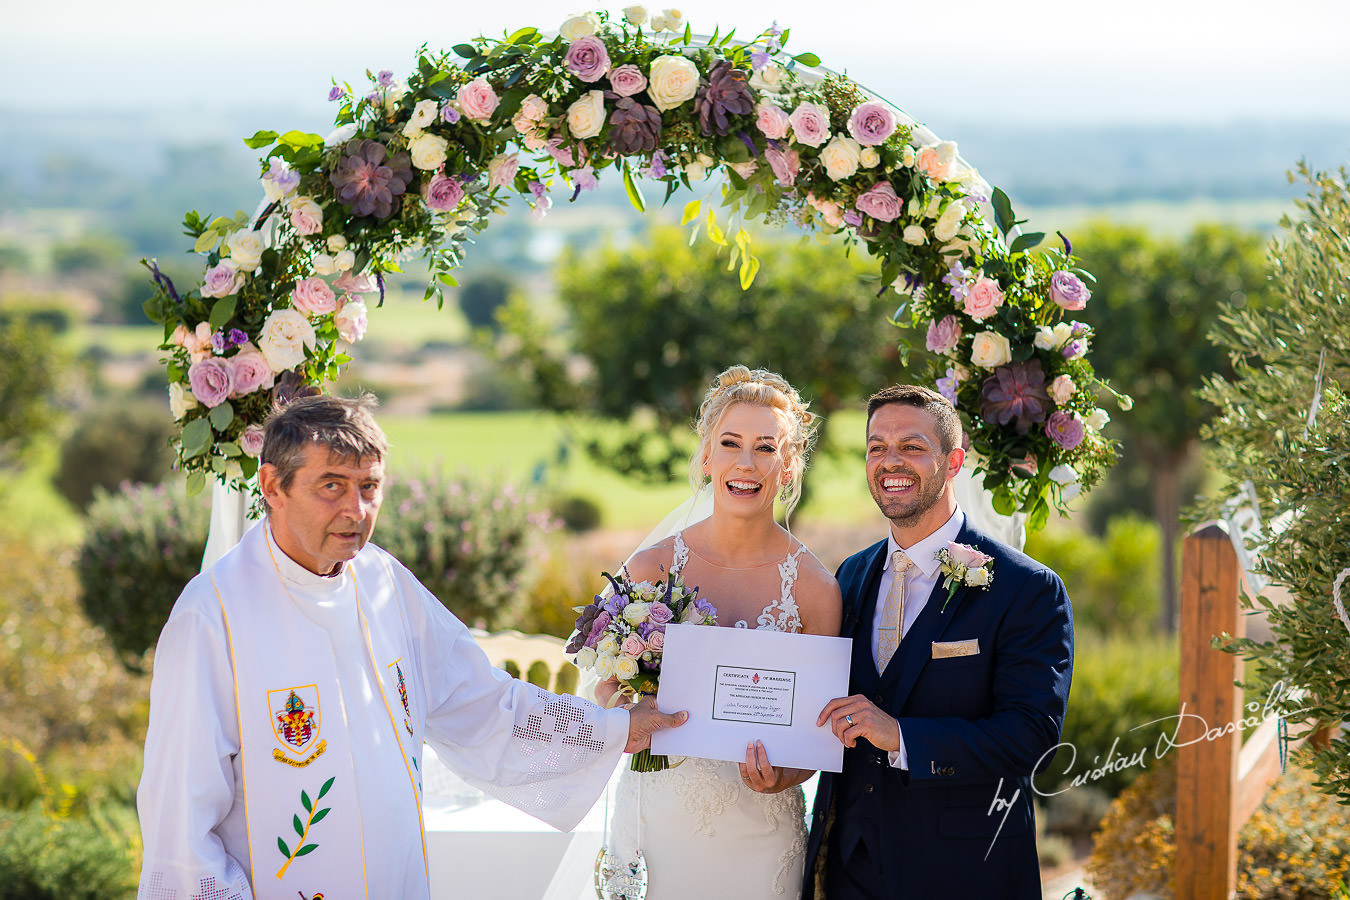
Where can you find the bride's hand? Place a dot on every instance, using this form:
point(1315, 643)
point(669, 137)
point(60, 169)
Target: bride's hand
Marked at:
point(764, 778)
point(607, 692)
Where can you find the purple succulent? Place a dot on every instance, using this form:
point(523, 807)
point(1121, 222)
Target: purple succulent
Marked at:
point(289, 386)
point(368, 180)
point(582, 627)
point(1015, 393)
point(723, 95)
point(634, 127)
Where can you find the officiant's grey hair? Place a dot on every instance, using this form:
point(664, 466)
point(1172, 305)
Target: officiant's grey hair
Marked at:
point(345, 426)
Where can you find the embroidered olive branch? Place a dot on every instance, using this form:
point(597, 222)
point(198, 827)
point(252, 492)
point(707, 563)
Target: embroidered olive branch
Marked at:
point(302, 829)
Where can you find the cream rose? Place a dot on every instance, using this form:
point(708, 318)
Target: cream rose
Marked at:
point(990, 350)
point(674, 19)
point(585, 658)
point(428, 151)
point(625, 667)
point(586, 116)
point(949, 223)
point(977, 577)
point(246, 248)
point(604, 666)
point(636, 613)
point(1097, 419)
point(424, 113)
point(768, 78)
point(285, 335)
point(869, 158)
point(607, 645)
point(635, 15)
point(671, 81)
point(914, 235)
point(697, 168)
point(840, 157)
point(180, 401)
point(392, 95)
point(336, 242)
point(344, 260)
point(324, 264)
point(580, 26)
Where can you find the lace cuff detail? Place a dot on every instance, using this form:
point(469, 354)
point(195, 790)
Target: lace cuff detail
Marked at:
point(156, 885)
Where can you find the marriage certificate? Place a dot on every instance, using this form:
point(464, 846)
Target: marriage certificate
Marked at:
point(741, 685)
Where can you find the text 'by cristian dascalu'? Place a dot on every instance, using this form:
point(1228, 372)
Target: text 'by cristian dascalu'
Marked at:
point(1170, 737)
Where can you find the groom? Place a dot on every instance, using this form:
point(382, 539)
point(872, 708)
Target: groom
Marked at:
point(944, 730)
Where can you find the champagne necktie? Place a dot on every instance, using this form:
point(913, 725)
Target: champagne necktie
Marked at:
point(893, 612)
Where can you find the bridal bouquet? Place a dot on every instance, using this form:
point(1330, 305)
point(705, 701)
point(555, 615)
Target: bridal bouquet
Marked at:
point(622, 635)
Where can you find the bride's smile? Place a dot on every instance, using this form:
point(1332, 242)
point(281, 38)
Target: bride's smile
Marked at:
point(744, 458)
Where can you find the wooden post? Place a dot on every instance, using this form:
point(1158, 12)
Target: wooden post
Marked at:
point(1208, 785)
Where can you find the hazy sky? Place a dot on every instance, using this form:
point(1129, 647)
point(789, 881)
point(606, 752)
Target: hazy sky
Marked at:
point(1042, 60)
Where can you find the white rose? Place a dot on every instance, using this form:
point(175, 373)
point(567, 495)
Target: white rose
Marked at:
point(393, 94)
point(580, 26)
point(1045, 338)
point(636, 613)
point(324, 264)
point(246, 248)
point(424, 113)
point(180, 401)
point(625, 667)
point(336, 242)
point(949, 222)
point(934, 207)
point(697, 169)
point(428, 151)
point(607, 646)
point(344, 260)
point(1097, 419)
point(671, 81)
point(914, 235)
point(658, 23)
point(977, 576)
point(990, 350)
point(604, 667)
point(869, 157)
point(585, 658)
point(284, 337)
point(1063, 474)
point(674, 20)
point(946, 151)
point(841, 156)
point(635, 15)
point(586, 116)
point(907, 156)
point(768, 79)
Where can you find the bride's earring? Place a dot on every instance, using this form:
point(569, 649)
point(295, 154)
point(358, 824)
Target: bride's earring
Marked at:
point(785, 492)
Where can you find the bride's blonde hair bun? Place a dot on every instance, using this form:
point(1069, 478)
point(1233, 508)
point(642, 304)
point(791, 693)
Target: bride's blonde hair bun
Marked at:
point(758, 387)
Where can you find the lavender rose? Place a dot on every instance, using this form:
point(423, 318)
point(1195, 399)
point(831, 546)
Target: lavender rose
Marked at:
point(212, 380)
point(1065, 429)
point(251, 441)
point(943, 335)
point(810, 124)
point(222, 280)
point(588, 59)
point(627, 80)
point(871, 123)
point(660, 614)
point(1068, 291)
point(785, 164)
point(881, 203)
point(443, 194)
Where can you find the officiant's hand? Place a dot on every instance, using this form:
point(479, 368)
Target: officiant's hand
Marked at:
point(643, 719)
point(856, 717)
point(760, 776)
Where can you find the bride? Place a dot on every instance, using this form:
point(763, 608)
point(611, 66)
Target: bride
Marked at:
point(709, 828)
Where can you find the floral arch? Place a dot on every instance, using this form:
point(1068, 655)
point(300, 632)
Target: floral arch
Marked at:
point(419, 165)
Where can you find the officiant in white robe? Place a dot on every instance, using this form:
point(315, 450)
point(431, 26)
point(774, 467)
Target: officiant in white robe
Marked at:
point(297, 678)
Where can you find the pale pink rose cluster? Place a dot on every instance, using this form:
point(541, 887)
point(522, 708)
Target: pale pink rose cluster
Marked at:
point(477, 101)
point(943, 335)
point(197, 342)
point(983, 299)
point(967, 556)
point(528, 121)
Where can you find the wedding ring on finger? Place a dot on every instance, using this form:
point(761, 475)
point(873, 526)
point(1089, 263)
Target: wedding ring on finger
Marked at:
point(849, 719)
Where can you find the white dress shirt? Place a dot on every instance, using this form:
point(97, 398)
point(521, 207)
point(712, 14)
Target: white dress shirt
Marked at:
point(920, 579)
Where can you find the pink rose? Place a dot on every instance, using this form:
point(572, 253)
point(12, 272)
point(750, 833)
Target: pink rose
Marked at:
point(627, 80)
point(588, 59)
point(533, 108)
point(211, 380)
point(219, 281)
point(502, 169)
point(443, 194)
point(966, 555)
point(1068, 291)
point(810, 124)
point(660, 614)
point(785, 164)
point(350, 320)
point(633, 646)
point(871, 123)
point(306, 215)
point(355, 284)
point(251, 441)
point(314, 296)
point(944, 335)
point(881, 203)
point(772, 121)
point(1065, 429)
point(656, 641)
point(983, 299)
point(929, 163)
point(250, 370)
point(477, 100)
point(1061, 389)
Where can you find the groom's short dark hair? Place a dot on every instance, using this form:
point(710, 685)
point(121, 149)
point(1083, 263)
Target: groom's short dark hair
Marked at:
point(939, 407)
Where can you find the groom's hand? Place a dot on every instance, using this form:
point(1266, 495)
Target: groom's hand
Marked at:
point(856, 717)
point(643, 719)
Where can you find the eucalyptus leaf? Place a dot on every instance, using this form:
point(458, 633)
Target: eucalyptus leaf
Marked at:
point(807, 59)
point(196, 482)
point(221, 416)
point(223, 311)
point(196, 437)
point(1026, 241)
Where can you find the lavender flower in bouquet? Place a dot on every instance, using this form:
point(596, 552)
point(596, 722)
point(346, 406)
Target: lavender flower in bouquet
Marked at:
point(622, 635)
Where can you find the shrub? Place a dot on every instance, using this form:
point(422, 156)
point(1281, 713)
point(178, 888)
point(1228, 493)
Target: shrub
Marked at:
point(49, 857)
point(1112, 580)
point(112, 444)
point(577, 513)
point(1295, 847)
point(469, 542)
point(142, 545)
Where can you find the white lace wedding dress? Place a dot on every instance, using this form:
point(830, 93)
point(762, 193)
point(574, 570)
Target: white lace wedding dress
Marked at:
point(703, 833)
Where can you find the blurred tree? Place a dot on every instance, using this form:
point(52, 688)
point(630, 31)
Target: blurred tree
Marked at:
point(1292, 360)
point(115, 442)
point(481, 296)
point(31, 367)
point(656, 321)
point(1152, 307)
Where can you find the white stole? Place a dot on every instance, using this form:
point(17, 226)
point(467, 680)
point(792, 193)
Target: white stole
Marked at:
point(305, 827)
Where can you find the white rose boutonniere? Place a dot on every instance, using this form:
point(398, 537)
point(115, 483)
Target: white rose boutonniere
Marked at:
point(962, 565)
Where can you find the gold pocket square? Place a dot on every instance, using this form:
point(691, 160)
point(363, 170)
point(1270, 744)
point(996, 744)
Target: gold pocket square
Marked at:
point(947, 649)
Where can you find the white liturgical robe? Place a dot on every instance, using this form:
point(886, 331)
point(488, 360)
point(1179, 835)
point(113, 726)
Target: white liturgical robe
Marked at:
point(287, 712)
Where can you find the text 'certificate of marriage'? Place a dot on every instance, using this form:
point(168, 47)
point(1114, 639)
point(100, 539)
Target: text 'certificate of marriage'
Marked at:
point(741, 685)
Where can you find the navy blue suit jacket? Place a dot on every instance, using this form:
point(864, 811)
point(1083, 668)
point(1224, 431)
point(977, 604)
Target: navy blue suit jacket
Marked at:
point(975, 727)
